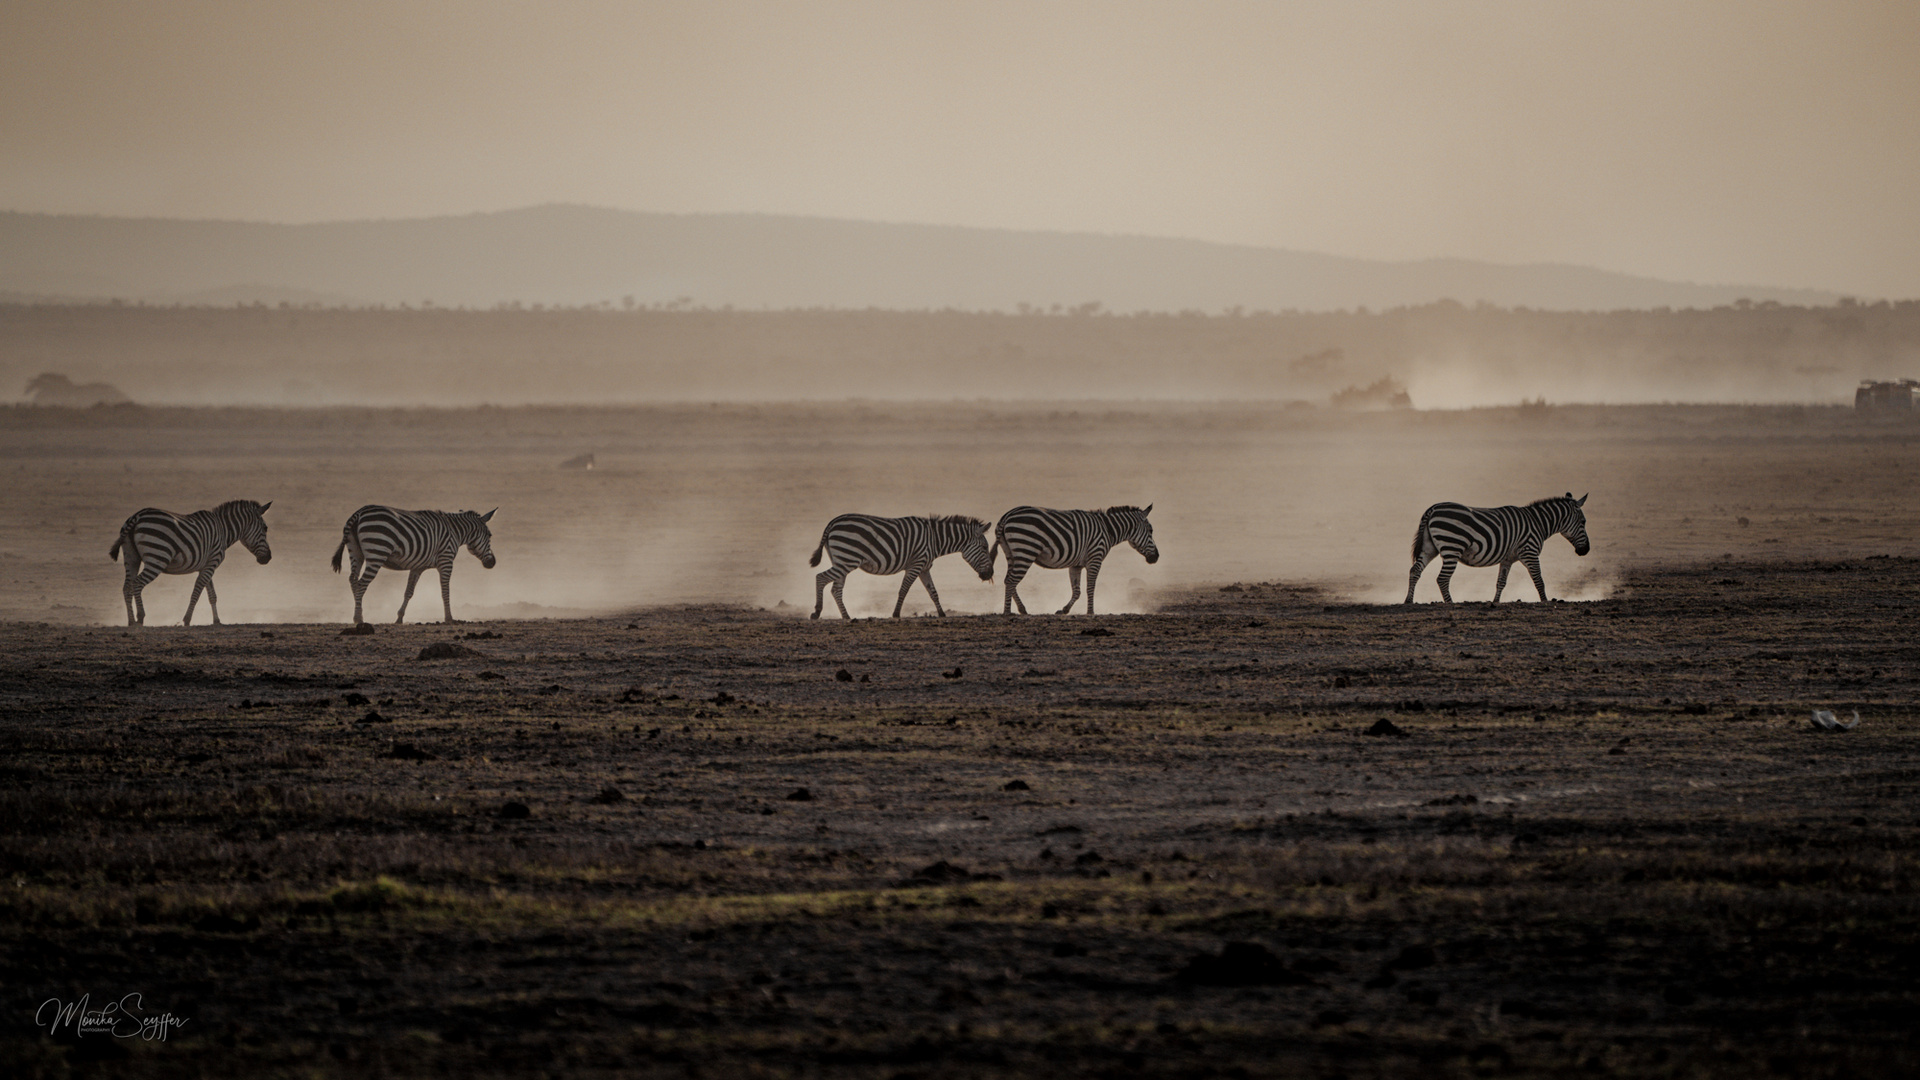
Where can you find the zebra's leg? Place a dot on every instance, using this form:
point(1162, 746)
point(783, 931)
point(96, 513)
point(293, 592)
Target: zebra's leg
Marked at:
point(1016, 570)
point(1073, 575)
point(832, 575)
point(127, 591)
point(147, 574)
point(413, 578)
point(1093, 576)
point(213, 602)
point(926, 578)
point(1413, 576)
point(205, 579)
point(839, 600)
point(446, 589)
point(1500, 583)
point(906, 583)
point(1447, 563)
point(360, 591)
point(353, 580)
point(1533, 568)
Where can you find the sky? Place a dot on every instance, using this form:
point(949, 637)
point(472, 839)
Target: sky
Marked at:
point(1715, 141)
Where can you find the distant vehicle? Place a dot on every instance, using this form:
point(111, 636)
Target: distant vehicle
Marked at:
point(53, 389)
point(1901, 395)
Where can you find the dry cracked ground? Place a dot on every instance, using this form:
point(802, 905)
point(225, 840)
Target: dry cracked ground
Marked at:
point(1258, 833)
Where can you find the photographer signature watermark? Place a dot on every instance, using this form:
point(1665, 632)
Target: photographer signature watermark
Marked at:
point(127, 1018)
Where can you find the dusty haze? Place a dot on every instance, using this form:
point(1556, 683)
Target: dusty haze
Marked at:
point(723, 504)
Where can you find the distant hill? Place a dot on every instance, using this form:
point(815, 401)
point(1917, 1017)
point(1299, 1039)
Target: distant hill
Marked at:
point(572, 255)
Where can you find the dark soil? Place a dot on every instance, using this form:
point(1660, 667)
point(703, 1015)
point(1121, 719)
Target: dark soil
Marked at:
point(1607, 840)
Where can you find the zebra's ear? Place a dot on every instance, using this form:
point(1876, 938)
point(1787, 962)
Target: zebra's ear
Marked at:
point(488, 516)
point(266, 506)
point(1147, 511)
point(1581, 501)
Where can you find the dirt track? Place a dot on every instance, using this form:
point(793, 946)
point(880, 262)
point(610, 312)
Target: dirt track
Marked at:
point(1608, 839)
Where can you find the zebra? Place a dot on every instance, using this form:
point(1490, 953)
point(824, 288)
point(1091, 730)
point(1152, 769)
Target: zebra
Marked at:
point(1070, 538)
point(158, 542)
point(884, 546)
point(1482, 536)
point(411, 540)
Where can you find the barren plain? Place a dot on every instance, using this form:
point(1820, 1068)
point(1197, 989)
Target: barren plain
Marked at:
point(1260, 821)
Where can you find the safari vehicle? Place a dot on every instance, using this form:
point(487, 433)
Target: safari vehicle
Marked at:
point(1899, 395)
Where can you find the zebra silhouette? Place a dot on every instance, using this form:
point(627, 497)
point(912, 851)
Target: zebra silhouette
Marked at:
point(1484, 535)
point(1033, 536)
point(884, 546)
point(158, 542)
point(414, 541)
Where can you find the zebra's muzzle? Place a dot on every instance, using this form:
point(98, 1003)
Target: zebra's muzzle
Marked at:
point(1582, 549)
point(1153, 558)
point(487, 562)
point(264, 557)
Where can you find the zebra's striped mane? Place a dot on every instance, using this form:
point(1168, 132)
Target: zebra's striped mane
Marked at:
point(236, 506)
point(958, 519)
point(1551, 499)
point(1123, 510)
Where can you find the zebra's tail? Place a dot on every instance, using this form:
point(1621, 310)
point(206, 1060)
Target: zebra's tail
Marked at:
point(815, 561)
point(114, 552)
point(337, 551)
point(1420, 534)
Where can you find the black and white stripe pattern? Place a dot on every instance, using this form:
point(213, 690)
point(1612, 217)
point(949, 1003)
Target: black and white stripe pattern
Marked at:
point(1070, 538)
point(158, 542)
point(411, 540)
point(1484, 535)
point(883, 546)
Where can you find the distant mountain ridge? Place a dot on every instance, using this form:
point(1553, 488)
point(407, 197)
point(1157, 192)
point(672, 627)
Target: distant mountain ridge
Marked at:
point(575, 255)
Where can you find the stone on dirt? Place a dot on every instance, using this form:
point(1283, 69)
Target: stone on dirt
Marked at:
point(1240, 963)
point(445, 650)
point(942, 873)
point(1384, 726)
point(406, 751)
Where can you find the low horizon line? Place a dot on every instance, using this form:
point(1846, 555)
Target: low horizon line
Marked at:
point(1154, 237)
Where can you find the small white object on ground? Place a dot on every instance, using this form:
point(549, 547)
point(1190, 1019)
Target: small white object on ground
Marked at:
point(1825, 718)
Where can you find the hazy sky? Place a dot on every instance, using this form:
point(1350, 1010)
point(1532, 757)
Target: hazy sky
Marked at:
point(1731, 141)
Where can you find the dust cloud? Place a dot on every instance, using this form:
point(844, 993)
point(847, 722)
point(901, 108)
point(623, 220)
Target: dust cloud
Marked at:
point(723, 505)
point(1447, 356)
